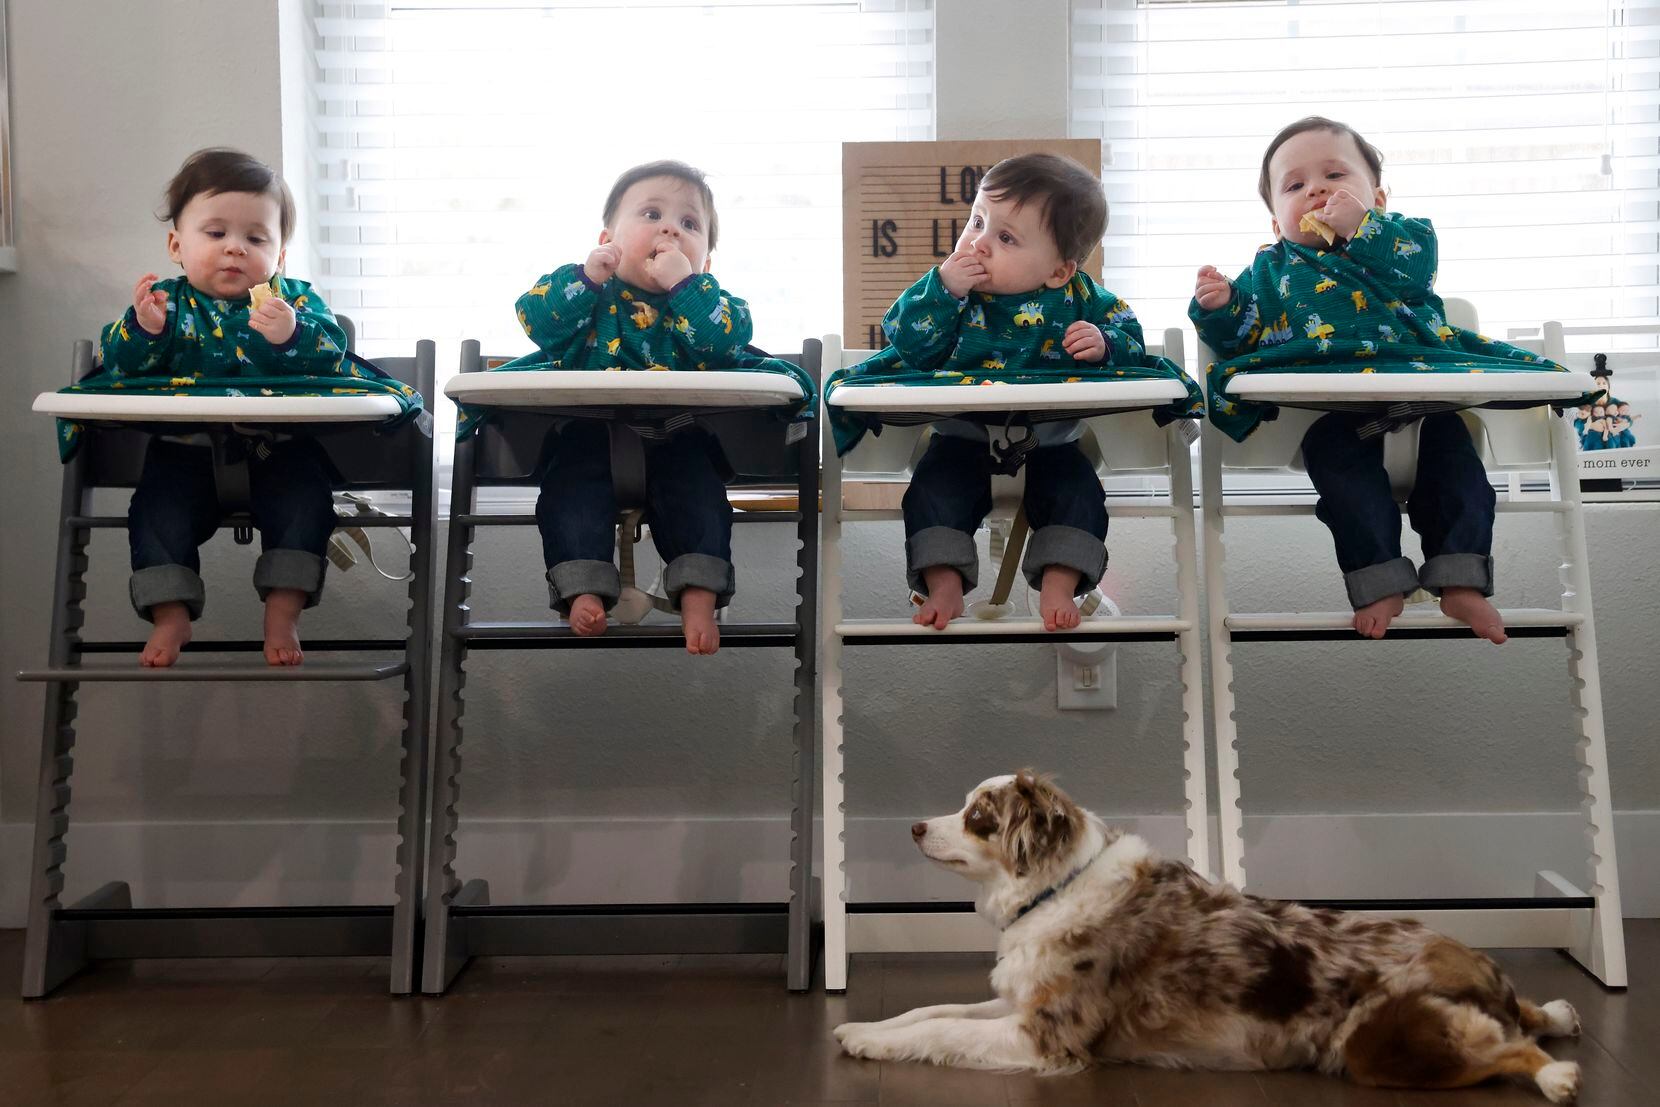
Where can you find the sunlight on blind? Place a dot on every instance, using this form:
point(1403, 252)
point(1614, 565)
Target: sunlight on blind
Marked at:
point(1527, 130)
point(462, 149)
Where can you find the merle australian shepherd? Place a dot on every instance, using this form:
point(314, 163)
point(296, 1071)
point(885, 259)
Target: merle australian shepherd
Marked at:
point(1110, 954)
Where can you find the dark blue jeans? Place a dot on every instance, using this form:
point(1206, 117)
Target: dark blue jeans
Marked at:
point(686, 508)
point(1451, 507)
point(175, 508)
point(950, 496)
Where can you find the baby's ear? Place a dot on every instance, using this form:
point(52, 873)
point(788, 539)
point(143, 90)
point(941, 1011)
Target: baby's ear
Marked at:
point(1063, 273)
point(708, 260)
point(604, 235)
point(1380, 198)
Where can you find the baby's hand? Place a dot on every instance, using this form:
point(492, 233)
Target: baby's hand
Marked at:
point(962, 273)
point(275, 320)
point(1084, 341)
point(1212, 289)
point(602, 262)
point(150, 305)
point(667, 265)
point(1343, 212)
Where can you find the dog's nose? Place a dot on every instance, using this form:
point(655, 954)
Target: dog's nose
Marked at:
point(918, 830)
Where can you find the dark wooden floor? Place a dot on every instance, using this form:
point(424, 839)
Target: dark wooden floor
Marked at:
point(645, 1031)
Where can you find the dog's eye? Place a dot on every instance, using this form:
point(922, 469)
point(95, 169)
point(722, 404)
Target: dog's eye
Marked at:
point(980, 822)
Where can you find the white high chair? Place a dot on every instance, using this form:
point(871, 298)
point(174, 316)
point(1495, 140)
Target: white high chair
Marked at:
point(1584, 922)
point(867, 484)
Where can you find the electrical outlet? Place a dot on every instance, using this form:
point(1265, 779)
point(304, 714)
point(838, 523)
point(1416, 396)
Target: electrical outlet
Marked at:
point(1088, 685)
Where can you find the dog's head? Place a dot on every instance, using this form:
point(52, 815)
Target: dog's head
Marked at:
point(1011, 826)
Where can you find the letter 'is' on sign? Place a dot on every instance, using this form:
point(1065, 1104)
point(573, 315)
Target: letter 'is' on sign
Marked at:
point(903, 206)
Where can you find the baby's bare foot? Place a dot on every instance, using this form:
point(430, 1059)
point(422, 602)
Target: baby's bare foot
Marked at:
point(587, 616)
point(944, 601)
point(1373, 619)
point(167, 638)
point(697, 619)
point(282, 626)
point(1056, 600)
point(1468, 605)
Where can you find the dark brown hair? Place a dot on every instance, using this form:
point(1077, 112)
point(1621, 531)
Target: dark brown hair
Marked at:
point(676, 169)
point(1368, 153)
point(1074, 207)
point(219, 169)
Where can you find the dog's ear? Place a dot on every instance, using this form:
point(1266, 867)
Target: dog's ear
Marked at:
point(1041, 821)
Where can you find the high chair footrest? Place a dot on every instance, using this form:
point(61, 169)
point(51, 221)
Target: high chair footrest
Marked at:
point(189, 669)
point(1326, 626)
point(895, 632)
point(533, 636)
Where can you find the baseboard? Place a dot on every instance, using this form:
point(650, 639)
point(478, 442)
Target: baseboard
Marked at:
point(736, 860)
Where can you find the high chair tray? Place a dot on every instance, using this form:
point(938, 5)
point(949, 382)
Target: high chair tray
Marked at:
point(1452, 388)
point(566, 388)
point(942, 399)
point(105, 408)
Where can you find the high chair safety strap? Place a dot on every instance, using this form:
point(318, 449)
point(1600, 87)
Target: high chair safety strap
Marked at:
point(1396, 416)
point(628, 536)
point(1008, 453)
point(1012, 550)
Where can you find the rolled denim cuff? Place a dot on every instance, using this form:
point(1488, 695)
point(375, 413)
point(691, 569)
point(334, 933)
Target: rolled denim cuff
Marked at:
point(696, 570)
point(933, 546)
point(296, 569)
point(1068, 547)
point(1457, 570)
point(570, 579)
point(1395, 577)
point(166, 584)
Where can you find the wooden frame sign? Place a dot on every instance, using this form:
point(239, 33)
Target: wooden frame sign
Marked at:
point(903, 206)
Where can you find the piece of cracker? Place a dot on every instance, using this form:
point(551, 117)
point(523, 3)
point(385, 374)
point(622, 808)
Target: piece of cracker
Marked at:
point(1311, 225)
point(258, 294)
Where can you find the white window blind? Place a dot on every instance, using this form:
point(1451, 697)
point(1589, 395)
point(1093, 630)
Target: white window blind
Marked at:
point(1527, 130)
point(460, 149)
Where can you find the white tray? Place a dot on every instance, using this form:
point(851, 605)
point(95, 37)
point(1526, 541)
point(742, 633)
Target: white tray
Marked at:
point(554, 388)
point(1452, 388)
point(111, 408)
point(1079, 395)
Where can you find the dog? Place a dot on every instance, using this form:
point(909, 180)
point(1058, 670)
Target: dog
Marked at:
point(1109, 954)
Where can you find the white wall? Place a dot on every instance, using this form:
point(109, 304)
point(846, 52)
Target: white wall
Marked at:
point(287, 793)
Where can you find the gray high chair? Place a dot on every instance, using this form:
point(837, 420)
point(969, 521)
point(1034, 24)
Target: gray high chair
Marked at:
point(742, 410)
point(63, 939)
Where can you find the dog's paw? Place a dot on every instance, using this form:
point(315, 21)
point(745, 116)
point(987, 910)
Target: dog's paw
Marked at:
point(1559, 1080)
point(858, 1039)
point(1564, 1020)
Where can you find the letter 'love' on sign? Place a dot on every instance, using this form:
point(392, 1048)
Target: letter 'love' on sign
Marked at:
point(903, 206)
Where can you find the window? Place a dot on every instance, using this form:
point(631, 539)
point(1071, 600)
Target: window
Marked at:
point(460, 148)
point(1527, 130)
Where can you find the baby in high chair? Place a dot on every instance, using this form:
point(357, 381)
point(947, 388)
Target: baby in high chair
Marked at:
point(642, 299)
point(228, 316)
point(1010, 297)
point(1349, 287)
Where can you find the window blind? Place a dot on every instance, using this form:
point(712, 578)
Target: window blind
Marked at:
point(459, 149)
point(1527, 130)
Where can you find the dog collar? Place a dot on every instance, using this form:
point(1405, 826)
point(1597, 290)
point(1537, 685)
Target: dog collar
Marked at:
point(1050, 892)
